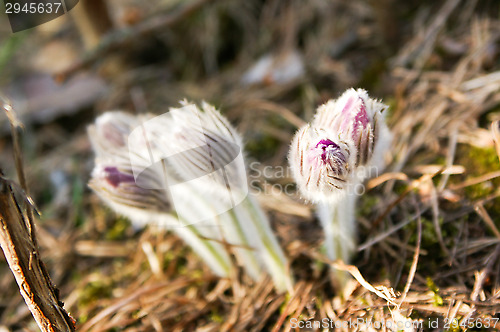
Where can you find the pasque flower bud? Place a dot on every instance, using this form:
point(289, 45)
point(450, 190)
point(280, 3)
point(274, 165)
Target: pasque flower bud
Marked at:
point(117, 187)
point(187, 165)
point(206, 151)
point(358, 120)
point(343, 143)
point(321, 166)
point(145, 202)
point(113, 179)
point(204, 148)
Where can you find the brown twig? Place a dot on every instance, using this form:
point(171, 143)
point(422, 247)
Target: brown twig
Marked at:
point(18, 242)
point(480, 279)
point(277, 109)
point(414, 184)
point(435, 218)
point(420, 47)
point(24, 261)
point(15, 124)
point(481, 211)
point(112, 41)
point(476, 180)
point(413, 269)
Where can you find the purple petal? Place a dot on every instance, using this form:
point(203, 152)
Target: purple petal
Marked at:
point(354, 116)
point(346, 111)
point(330, 154)
point(361, 120)
point(327, 146)
point(115, 177)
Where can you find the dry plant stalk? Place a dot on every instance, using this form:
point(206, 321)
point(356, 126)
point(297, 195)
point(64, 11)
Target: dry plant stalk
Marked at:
point(24, 261)
point(112, 41)
point(93, 21)
point(18, 242)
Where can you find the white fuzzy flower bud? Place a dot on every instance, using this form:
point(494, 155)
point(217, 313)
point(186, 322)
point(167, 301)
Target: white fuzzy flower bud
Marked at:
point(342, 146)
point(144, 199)
point(358, 120)
point(117, 187)
point(206, 150)
point(321, 166)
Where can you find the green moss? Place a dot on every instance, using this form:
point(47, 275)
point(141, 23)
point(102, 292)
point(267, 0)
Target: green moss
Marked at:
point(478, 191)
point(95, 291)
point(181, 263)
point(197, 274)
point(455, 325)
point(429, 236)
point(168, 257)
point(118, 230)
point(9, 47)
point(82, 318)
point(216, 317)
point(478, 162)
point(367, 205)
point(77, 199)
point(391, 102)
point(262, 146)
point(400, 188)
point(438, 300)
point(429, 243)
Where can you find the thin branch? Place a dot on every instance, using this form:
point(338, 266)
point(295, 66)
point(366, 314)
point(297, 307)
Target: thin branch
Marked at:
point(481, 211)
point(24, 261)
point(18, 242)
point(15, 125)
point(415, 184)
point(413, 269)
point(113, 41)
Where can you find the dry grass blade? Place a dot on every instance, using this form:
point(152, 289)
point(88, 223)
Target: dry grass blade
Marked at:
point(165, 287)
point(385, 234)
point(413, 268)
point(430, 169)
point(384, 178)
point(414, 184)
point(104, 249)
point(278, 109)
point(421, 46)
point(354, 271)
point(481, 211)
point(476, 180)
point(435, 218)
point(299, 290)
point(452, 148)
point(304, 298)
point(481, 277)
